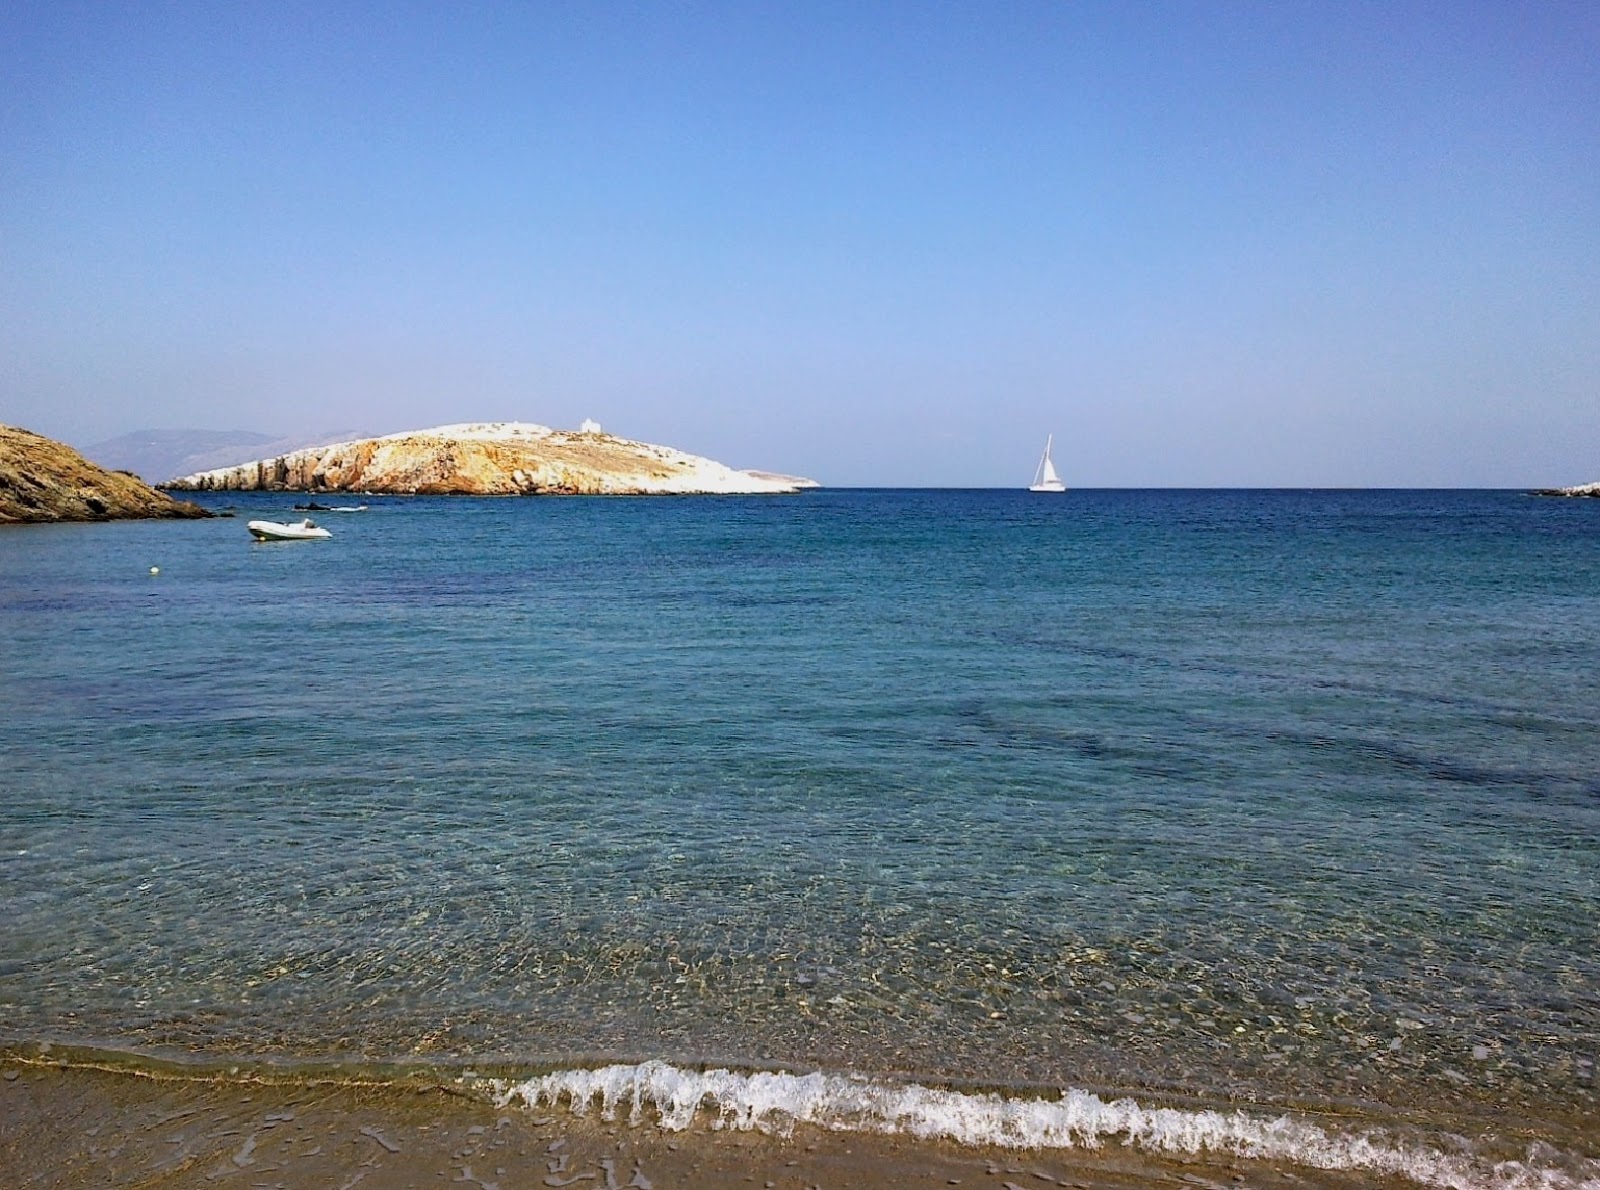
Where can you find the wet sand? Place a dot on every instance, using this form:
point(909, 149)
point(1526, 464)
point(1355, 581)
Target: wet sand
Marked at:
point(78, 1127)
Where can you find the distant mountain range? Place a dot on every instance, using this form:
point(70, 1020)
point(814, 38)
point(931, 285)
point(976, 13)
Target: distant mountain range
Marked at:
point(156, 456)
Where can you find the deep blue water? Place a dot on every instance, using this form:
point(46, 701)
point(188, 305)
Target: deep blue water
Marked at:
point(1282, 796)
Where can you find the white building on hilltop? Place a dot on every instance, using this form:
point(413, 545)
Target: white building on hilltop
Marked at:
point(589, 426)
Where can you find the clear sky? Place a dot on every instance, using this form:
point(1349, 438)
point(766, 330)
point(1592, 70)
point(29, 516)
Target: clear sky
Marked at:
point(1276, 243)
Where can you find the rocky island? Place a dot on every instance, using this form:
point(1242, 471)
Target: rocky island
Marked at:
point(492, 459)
point(45, 480)
point(1583, 489)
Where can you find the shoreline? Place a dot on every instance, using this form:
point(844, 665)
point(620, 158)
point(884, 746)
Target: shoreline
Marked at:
point(79, 1127)
point(75, 1118)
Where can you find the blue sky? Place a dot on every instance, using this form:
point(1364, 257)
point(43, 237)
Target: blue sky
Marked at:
point(1282, 244)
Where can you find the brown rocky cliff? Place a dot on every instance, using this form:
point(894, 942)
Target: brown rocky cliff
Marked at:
point(45, 480)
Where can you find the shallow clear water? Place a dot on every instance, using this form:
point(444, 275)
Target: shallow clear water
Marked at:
point(1275, 796)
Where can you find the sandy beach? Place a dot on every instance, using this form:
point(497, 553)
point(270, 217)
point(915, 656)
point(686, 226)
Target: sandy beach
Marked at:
point(71, 1126)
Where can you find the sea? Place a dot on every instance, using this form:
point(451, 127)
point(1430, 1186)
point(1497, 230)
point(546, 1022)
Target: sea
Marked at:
point(1262, 823)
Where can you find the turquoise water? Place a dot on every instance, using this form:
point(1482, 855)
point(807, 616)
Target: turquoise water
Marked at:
point(1278, 798)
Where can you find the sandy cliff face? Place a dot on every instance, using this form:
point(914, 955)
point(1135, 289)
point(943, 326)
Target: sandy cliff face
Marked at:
point(490, 459)
point(45, 480)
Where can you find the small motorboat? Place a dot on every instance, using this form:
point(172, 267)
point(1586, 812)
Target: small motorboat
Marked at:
point(306, 530)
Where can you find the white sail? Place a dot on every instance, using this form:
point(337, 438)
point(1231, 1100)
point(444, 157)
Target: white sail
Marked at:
point(1045, 478)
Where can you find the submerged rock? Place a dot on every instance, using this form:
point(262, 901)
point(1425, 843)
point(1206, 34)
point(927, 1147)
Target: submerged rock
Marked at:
point(491, 459)
point(45, 480)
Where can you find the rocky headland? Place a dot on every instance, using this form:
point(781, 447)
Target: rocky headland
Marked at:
point(1583, 489)
point(158, 455)
point(45, 480)
point(491, 459)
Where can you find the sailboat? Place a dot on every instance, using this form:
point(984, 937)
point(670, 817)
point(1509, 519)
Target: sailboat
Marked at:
point(1045, 478)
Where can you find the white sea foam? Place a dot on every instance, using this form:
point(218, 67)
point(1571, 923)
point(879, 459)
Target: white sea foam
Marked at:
point(672, 1098)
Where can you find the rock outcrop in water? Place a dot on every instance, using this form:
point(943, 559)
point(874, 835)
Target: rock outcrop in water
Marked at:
point(45, 480)
point(1583, 489)
point(491, 459)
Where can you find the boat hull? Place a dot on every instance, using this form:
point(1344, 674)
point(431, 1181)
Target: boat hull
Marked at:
point(277, 531)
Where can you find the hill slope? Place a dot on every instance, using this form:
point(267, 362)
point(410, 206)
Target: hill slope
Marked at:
point(157, 455)
point(45, 480)
point(491, 459)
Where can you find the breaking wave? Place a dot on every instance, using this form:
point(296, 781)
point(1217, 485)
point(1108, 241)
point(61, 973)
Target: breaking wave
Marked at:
point(673, 1098)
